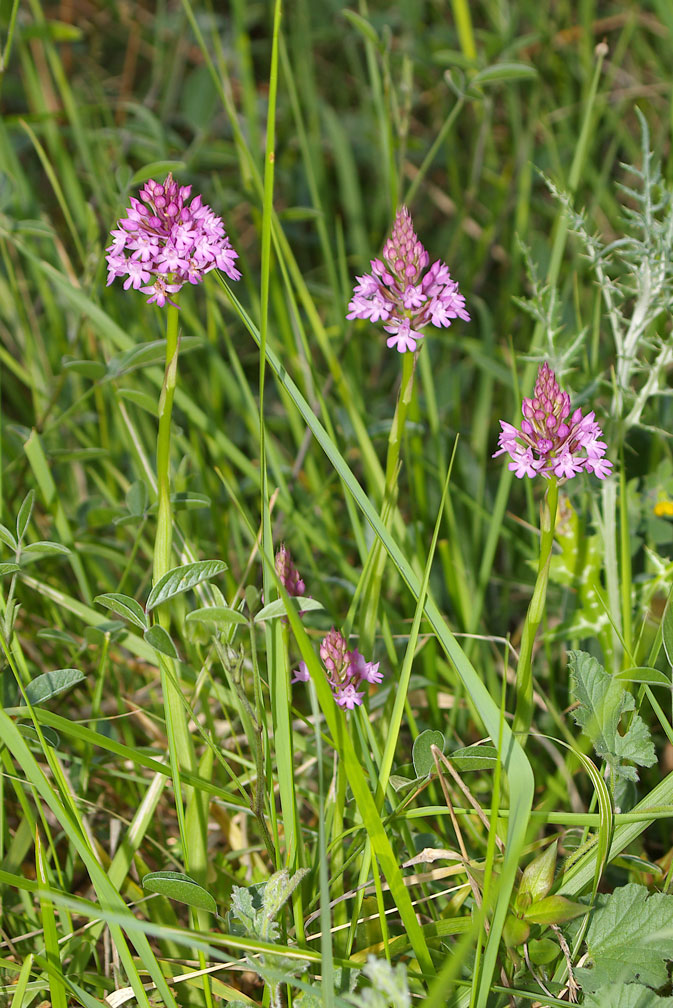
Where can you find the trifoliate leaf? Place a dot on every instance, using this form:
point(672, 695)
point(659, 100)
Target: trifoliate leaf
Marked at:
point(602, 701)
point(628, 940)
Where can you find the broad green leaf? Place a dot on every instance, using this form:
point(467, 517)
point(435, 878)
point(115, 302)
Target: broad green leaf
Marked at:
point(538, 876)
point(179, 887)
point(362, 25)
point(629, 939)
point(502, 73)
point(156, 169)
point(554, 910)
point(8, 538)
point(160, 639)
point(44, 548)
point(138, 398)
point(421, 755)
point(87, 368)
point(24, 515)
point(124, 606)
point(623, 995)
point(50, 684)
point(643, 674)
point(181, 579)
point(29, 732)
point(602, 701)
point(8, 568)
point(475, 757)
point(220, 615)
point(189, 501)
point(137, 498)
point(146, 355)
point(55, 31)
point(667, 629)
point(277, 608)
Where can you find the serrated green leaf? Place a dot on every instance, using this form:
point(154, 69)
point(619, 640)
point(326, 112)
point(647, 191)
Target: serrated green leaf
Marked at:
point(8, 568)
point(182, 888)
point(421, 754)
point(8, 538)
point(277, 608)
point(220, 615)
point(628, 939)
point(24, 515)
point(124, 606)
point(624, 995)
point(475, 757)
point(278, 889)
point(181, 579)
point(50, 684)
point(602, 701)
point(160, 639)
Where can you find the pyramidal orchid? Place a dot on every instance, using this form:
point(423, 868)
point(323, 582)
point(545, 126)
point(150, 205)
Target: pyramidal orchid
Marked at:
point(165, 241)
point(403, 293)
point(551, 439)
point(345, 669)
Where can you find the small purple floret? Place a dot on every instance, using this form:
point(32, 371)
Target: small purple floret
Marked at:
point(551, 441)
point(345, 669)
point(164, 242)
point(403, 293)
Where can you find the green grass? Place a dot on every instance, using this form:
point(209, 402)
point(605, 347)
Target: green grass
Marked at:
point(305, 130)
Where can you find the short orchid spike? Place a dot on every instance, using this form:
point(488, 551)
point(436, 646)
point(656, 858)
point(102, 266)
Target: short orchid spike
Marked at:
point(345, 670)
point(403, 293)
point(551, 439)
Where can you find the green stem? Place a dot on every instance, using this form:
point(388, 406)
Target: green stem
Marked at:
point(180, 746)
point(523, 714)
point(372, 590)
point(164, 536)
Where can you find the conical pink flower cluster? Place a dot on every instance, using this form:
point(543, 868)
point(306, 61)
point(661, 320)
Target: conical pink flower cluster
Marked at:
point(345, 670)
point(164, 242)
point(551, 441)
point(400, 293)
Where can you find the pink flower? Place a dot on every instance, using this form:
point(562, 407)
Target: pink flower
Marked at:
point(551, 440)
point(345, 670)
point(170, 242)
point(402, 292)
